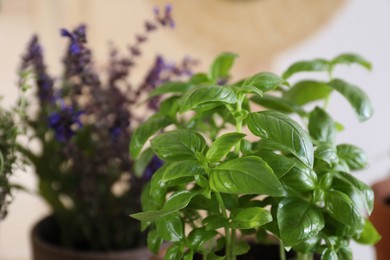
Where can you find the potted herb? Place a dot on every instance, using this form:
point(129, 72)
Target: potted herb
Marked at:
point(83, 124)
point(221, 183)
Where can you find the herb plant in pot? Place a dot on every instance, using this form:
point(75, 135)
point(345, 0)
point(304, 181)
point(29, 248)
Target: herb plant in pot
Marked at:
point(286, 179)
point(83, 124)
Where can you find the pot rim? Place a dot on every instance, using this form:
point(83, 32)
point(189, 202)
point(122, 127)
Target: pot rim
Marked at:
point(37, 240)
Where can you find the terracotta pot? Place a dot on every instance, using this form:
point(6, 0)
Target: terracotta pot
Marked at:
point(380, 217)
point(43, 250)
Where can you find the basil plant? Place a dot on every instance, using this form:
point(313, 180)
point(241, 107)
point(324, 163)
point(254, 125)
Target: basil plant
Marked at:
point(232, 173)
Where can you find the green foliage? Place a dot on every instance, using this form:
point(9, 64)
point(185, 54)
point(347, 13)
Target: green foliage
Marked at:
point(310, 200)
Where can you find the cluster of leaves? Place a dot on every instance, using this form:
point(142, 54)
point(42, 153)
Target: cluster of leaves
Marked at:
point(83, 123)
point(294, 182)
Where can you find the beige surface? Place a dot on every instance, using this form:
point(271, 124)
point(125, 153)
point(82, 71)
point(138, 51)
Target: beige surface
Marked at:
point(115, 20)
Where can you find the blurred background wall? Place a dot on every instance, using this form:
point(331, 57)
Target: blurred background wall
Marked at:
point(267, 34)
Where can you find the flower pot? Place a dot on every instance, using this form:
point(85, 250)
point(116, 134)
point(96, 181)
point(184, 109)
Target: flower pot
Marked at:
point(44, 232)
point(380, 217)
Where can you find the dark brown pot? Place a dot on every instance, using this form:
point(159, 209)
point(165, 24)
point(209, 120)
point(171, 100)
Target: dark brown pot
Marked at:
point(380, 217)
point(43, 250)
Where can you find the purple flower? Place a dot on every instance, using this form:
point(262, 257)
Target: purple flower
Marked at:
point(77, 39)
point(65, 122)
point(152, 167)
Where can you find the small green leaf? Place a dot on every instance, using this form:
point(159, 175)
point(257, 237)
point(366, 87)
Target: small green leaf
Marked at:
point(199, 78)
point(351, 58)
point(154, 241)
point(284, 132)
point(321, 126)
point(264, 81)
point(241, 248)
point(221, 66)
point(361, 194)
point(298, 221)
point(248, 218)
point(170, 87)
point(329, 254)
point(151, 215)
point(342, 208)
point(306, 66)
point(215, 222)
point(222, 145)
point(327, 153)
point(354, 156)
point(206, 95)
point(170, 227)
point(280, 164)
point(307, 91)
point(198, 236)
point(369, 236)
point(170, 106)
point(175, 252)
point(356, 97)
point(179, 200)
point(182, 169)
point(245, 175)
point(142, 162)
point(345, 253)
point(178, 145)
point(300, 178)
point(145, 130)
point(248, 89)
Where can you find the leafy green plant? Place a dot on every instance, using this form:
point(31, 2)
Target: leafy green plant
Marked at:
point(288, 179)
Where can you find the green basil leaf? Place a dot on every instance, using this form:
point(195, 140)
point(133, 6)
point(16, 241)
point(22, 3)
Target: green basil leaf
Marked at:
point(245, 175)
point(277, 103)
point(170, 87)
point(350, 58)
point(142, 162)
point(221, 66)
point(309, 245)
point(327, 153)
point(307, 66)
point(369, 236)
point(264, 81)
point(214, 222)
point(222, 145)
point(307, 91)
point(248, 218)
point(170, 106)
point(145, 130)
point(283, 131)
point(199, 78)
point(248, 89)
point(154, 241)
point(329, 254)
point(149, 202)
point(208, 95)
point(198, 236)
point(342, 208)
point(157, 191)
point(151, 215)
point(345, 253)
point(178, 145)
point(354, 156)
point(356, 97)
point(298, 220)
point(280, 164)
point(241, 248)
point(321, 126)
point(182, 169)
point(300, 178)
point(179, 200)
point(358, 191)
point(175, 252)
point(170, 227)
point(189, 255)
